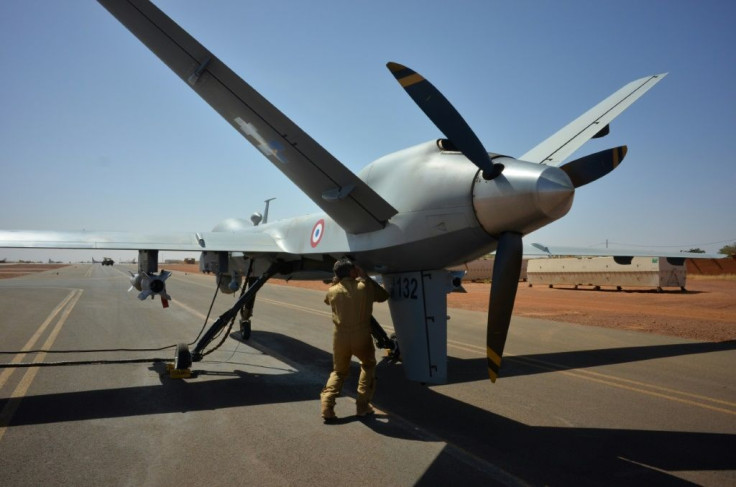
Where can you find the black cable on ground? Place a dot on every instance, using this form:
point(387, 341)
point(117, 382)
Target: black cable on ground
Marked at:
point(87, 362)
point(101, 350)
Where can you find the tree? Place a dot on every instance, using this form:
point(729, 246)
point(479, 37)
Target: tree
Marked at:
point(728, 249)
point(696, 250)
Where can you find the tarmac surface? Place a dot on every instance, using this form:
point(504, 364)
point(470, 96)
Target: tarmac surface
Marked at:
point(575, 405)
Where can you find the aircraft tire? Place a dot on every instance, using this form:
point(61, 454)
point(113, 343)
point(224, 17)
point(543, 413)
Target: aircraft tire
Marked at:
point(395, 354)
point(183, 358)
point(245, 329)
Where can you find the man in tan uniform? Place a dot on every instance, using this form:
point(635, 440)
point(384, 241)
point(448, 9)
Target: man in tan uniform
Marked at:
point(351, 298)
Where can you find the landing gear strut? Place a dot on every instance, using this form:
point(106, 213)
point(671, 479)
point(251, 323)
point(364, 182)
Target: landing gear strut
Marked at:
point(246, 312)
point(389, 344)
point(242, 303)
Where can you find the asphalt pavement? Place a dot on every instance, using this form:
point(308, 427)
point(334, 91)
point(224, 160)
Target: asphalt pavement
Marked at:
point(575, 405)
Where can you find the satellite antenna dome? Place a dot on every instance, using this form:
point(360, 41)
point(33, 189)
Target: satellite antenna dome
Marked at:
point(256, 218)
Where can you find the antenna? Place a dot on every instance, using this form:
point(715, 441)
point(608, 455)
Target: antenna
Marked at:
point(265, 212)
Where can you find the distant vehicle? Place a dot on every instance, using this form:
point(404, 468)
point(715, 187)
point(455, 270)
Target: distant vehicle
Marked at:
point(107, 261)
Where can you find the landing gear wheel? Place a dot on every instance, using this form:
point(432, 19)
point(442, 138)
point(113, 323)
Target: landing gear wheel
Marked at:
point(245, 329)
point(183, 358)
point(393, 353)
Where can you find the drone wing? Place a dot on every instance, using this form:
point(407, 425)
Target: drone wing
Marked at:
point(592, 123)
point(333, 187)
point(254, 241)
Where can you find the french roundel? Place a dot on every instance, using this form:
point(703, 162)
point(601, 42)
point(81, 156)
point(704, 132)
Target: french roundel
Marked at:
point(317, 230)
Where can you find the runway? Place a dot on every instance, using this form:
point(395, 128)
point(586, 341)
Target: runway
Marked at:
point(575, 405)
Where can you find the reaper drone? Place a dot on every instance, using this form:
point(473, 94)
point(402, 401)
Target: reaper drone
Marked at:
point(464, 202)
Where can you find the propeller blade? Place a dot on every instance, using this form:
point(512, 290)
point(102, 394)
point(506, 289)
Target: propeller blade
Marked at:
point(506, 271)
point(441, 112)
point(589, 168)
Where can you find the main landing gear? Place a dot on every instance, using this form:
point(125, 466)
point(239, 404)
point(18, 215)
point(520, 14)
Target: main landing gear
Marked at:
point(184, 358)
point(245, 329)
point(390, 344)
point(246, 312)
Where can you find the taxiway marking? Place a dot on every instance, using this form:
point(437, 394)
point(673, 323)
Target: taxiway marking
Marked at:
point(619, 382)
point(32, 341)
point(64, 309)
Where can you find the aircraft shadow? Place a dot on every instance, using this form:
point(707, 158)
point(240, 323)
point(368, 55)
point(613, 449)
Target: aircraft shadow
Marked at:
point(538, 455)
point(466, 370)
point(231, 389)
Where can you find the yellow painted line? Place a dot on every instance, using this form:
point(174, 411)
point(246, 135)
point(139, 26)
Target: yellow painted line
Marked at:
point(668, 397)
point(190, 310)
point(467, 347)
point(619, 382)
point(643, 384)
point(295, 306)
point(31, 343)
point(201, 277)
point(6, 415)
point(259, 299)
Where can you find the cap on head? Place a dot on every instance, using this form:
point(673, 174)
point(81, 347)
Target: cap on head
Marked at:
point(343, 267)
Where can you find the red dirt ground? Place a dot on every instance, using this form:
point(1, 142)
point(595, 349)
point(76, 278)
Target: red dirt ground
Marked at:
point(707, 311)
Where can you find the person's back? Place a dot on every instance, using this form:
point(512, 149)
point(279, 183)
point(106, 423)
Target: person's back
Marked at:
point(351, 301)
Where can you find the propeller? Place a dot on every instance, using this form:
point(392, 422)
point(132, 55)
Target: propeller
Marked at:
point(589, 168)
point(441, 112)
point(507, 265)
point(506, 271)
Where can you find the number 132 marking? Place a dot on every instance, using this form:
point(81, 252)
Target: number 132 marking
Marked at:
point(404, 288)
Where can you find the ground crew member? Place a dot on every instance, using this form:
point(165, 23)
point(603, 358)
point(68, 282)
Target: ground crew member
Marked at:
point(351, 298)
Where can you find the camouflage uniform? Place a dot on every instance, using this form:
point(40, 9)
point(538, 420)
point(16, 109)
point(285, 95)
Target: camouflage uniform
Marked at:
point(352, 306)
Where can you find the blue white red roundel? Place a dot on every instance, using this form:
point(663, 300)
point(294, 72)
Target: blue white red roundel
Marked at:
point(317, 230)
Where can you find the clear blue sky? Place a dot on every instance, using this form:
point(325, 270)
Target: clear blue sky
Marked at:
point(97, 134)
